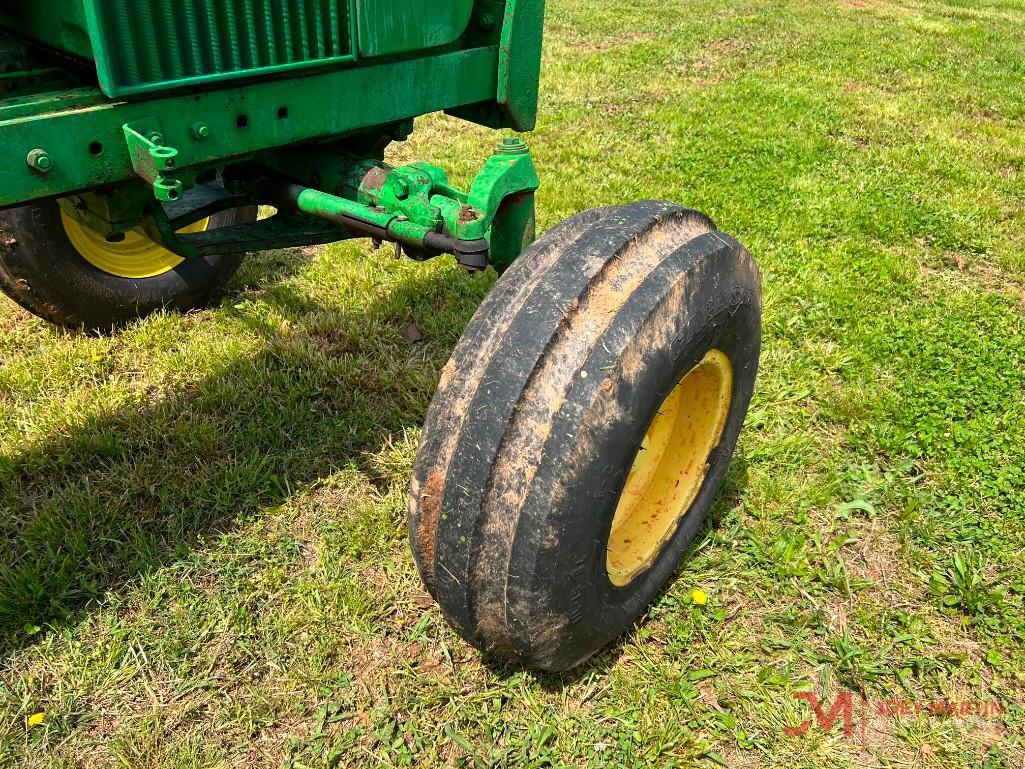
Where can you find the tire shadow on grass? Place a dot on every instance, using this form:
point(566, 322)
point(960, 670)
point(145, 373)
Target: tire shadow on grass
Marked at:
point(137, 487)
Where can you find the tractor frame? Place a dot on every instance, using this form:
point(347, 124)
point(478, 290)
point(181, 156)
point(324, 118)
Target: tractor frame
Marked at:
point(308, 140)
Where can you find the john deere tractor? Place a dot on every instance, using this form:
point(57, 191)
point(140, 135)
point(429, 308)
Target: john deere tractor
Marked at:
point(585, 420)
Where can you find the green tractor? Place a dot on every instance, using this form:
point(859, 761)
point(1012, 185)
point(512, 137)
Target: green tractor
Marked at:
point(587, 416)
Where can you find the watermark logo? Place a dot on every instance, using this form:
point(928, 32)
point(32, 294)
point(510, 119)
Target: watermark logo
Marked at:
point(852, 710)
point(843, 706)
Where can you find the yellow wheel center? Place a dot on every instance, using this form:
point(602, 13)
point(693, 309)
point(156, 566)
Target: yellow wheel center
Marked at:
point(670, 467)
point(136, 256)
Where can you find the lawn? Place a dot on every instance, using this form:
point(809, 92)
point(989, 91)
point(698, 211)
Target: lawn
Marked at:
point(203, 559)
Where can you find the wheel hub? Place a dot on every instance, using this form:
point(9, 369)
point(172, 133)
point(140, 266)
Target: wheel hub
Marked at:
point(670, 467)
point(136, 256)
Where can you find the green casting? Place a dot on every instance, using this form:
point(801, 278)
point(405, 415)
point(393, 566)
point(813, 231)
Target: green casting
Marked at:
point(413, 205)
point(422, 193)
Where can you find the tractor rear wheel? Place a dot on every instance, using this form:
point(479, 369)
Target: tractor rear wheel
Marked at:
point(582, 428)
point(64, 272)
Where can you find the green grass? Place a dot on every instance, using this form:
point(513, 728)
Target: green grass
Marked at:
point(202, 548)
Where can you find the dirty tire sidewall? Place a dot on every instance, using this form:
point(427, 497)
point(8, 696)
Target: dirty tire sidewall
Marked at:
point(42, 271)
point(523, 459)
point(559, 570)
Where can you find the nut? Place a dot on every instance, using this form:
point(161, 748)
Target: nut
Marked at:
point(38, 160)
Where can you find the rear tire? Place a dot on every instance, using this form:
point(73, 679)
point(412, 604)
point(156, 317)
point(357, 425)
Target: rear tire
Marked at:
point(613, 323)
point(42, 270)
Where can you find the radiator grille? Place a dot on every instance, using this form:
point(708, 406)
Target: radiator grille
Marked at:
point(145, 45)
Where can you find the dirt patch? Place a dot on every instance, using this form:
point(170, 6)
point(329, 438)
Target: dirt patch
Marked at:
point(879, 6)
point(430, 504)
point(876, 558)
point(959, 270)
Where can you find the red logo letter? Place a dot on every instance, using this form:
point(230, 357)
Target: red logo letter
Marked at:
point(844, 701)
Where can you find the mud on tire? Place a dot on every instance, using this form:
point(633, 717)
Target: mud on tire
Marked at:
point(542, 415)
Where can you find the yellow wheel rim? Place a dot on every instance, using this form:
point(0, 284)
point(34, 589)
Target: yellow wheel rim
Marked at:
point(134, 257)
point(670, 467)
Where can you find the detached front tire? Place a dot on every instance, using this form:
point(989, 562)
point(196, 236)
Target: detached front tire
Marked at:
point(65, 273)
point(582, 428)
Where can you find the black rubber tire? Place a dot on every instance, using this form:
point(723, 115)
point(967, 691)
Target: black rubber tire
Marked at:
point(42, 271)
point(523, 459)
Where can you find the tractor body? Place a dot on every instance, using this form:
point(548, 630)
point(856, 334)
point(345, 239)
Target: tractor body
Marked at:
point(157, 113)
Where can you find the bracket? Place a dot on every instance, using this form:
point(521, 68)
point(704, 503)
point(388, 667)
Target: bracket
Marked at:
point(414, 205)
point(152, 160)
point(498, 208)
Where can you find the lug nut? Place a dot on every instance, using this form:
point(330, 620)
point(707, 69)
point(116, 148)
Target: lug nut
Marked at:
point(39, 161)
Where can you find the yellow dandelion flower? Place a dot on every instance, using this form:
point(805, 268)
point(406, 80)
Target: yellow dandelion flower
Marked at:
point(36, 719)
point(699, 596)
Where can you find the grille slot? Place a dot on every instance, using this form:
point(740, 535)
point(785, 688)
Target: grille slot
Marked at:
point(148, 45)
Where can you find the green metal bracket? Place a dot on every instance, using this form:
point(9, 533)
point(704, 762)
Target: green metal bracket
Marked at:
point(519, 62)
point(422, 193)
point(417, 199)
point(509, 171)
point(414, 206)
point(504, 190)
point(152, 160)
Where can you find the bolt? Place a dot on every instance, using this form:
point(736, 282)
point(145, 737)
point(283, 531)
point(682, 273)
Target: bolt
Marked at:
point(200, 130)
point(39, 161)
point(155, 137)
point(486, 21)
point(400, 187)
point(511, 145)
